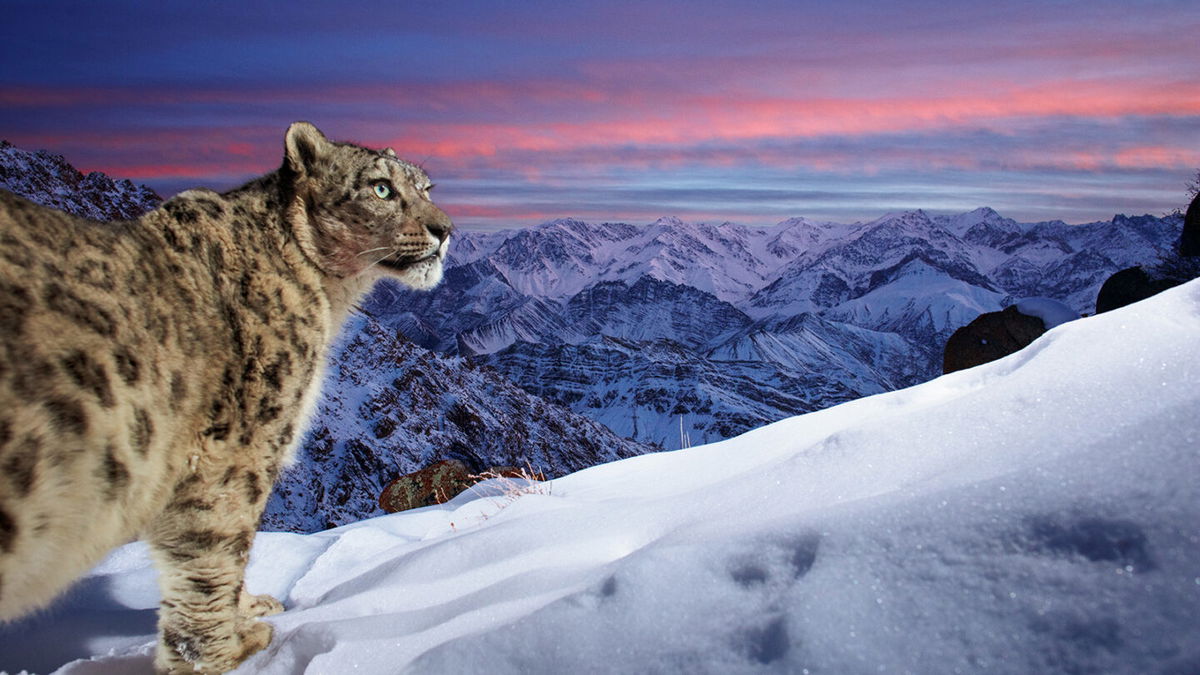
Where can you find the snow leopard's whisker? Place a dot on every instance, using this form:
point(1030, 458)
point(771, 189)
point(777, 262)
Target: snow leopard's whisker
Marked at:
point(389, 249)
point(390, 252)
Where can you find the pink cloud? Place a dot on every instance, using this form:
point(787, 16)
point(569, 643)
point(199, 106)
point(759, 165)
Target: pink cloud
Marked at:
point(508, 126)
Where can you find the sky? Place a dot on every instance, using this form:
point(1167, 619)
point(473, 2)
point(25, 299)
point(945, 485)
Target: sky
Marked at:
point(522, 112)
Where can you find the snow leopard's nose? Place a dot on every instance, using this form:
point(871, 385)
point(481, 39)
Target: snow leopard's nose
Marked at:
point(439, 224)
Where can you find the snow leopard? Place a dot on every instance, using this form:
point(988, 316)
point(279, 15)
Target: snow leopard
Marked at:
point(156, 374)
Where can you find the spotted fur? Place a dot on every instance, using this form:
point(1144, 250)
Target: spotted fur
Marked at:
point(155, 374)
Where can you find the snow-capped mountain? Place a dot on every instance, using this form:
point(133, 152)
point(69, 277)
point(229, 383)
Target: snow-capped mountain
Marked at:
point(675, 330)
point(49, 180)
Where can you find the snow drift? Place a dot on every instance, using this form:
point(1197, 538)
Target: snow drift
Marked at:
point(1036, 514)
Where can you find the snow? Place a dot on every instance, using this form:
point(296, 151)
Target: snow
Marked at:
point(1052, 312)
point(1035, 514)
point(920, 295)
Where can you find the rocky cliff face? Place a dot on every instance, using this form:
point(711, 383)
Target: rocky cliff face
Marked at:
point(49, 180)
point(390, 407)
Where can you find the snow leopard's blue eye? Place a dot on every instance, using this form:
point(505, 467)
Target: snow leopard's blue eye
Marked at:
point(383, 190)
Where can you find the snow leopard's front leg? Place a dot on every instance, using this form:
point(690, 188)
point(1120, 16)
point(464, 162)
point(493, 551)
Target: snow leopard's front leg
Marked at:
point(208, 622)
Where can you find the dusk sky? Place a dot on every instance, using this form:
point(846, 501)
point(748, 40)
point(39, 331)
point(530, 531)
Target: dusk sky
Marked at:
point(749, 110)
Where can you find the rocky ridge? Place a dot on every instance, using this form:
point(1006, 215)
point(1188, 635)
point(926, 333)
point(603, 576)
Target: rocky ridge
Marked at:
point(389, 407)
point(49, 180)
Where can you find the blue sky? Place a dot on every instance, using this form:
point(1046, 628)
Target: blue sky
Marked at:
point(528, 111)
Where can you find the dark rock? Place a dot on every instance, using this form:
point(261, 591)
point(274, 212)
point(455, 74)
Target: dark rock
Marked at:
point(437, 483)
point(442, 481)
point(1189, 243)
point(1128, 286)
point(989, 337)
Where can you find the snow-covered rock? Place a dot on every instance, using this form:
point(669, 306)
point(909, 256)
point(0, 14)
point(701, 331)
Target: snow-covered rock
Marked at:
point(1033, 515)
point(49, 180)
point(1052, 312)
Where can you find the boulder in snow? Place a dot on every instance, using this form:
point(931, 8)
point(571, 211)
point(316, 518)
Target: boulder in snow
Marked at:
point(435, 484)
point(438, 483)
point(990, 336)
point(1128, 286)
point(1189, 242)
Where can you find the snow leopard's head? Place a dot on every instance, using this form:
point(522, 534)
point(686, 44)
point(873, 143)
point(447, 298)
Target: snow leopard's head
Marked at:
point(361, 211)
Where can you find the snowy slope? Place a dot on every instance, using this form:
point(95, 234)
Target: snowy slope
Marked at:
point(1034, 515)
point(919, 301)
point(808, 344)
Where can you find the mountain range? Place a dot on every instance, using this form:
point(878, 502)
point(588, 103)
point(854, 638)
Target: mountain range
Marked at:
point(49, 180)
point(675, 333)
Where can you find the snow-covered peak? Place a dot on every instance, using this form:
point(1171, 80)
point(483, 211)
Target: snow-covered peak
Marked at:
point(916, 217)
point(796, 236)
point(801, 221)
point(910, 226)
point(668, 221)
point(564, 223)
point(983, 216)
point(48, 179)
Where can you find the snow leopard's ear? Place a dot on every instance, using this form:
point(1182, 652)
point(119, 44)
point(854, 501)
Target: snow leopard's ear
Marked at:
point(304, 145)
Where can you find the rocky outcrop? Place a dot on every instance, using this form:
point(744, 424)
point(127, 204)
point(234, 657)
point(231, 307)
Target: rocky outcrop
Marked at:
point(989, 337)
point(1128, 286)
point(438, 483)
point(1189, 243)
point(1137, 283)
point(49, 180)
